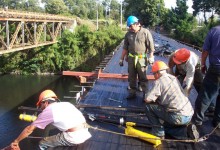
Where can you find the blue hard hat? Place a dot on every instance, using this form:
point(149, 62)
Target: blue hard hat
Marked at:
point(131, 20)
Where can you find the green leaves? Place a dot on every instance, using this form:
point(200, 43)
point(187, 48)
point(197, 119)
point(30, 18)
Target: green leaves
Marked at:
point(72, 52)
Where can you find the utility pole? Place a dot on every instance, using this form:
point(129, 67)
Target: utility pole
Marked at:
point(97, 16)
point(158, 26)
point(121, 14)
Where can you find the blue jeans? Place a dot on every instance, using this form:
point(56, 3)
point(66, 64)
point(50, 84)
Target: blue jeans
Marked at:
point(54, 141)
point(209, 92)
point(169, 122)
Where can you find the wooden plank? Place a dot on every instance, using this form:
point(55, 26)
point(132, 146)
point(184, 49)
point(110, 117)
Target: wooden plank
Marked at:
point(101, 75)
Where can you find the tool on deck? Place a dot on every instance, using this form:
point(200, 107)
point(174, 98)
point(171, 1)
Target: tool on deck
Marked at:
point(129, 130)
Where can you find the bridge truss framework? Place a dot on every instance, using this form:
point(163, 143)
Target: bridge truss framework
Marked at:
point(26, 30)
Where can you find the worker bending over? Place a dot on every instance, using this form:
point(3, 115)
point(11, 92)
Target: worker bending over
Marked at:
point(63, 115)
point(187, 69)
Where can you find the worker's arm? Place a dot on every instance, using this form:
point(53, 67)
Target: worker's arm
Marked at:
point(204, 57)
point(171, 64)
point(124, 53)
point(123, 56)
point(203, 61)
point(25, 133)
point(151, 46)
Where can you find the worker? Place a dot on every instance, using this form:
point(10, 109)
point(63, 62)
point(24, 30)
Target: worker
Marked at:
point(167, 107)
point(138, 42)
point(187, 65)
point(64, 116)
point(188, 71)
point(211, 83)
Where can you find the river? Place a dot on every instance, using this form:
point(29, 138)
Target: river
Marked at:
point(17, 90)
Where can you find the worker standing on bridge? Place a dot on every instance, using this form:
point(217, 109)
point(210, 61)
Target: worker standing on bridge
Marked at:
point(167, 107)
point(138, 42)
point(187, 69)
point(211, 84)
point(63, 115)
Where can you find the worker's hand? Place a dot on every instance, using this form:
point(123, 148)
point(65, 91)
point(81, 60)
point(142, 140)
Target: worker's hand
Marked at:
point(151, 60)
point(121, 63)
point(186, 91)
point(13, 146)
point(203, 69)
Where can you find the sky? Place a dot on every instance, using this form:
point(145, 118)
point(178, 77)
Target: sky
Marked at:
point(172, 3)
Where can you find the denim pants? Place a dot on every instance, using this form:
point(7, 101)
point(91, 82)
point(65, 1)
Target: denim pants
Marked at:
point(54, 141)
point(209, 92)
point(169, 122)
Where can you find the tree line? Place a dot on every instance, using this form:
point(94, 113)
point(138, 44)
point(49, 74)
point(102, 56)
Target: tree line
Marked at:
point(177, 22)
point(79, 50)
point(76, 48)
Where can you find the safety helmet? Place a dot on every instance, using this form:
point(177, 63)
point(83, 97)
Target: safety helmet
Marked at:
point(181, 55)
point(45, 95)
point(131, 20)
point(159, 65)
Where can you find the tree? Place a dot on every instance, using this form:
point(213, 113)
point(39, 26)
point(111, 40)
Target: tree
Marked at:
point(205, 6)
point(183, 22)
point(55, 6)
point(145, 10)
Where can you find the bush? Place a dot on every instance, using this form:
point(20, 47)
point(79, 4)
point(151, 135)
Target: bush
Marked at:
point(71, 52)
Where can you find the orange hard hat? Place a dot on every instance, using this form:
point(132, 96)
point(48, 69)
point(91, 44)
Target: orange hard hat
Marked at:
point(45, 95)
point(159, 65)
point(181, 56)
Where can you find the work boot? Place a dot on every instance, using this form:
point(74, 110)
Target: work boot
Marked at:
point(131, 96)
point(192, 132)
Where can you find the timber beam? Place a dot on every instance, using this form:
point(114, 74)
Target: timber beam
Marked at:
point(101, 75)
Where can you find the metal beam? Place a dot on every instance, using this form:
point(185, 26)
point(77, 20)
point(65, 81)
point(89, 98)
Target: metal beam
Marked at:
point(25, 30)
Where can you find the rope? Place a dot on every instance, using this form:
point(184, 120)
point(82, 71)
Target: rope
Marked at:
point(203, 138)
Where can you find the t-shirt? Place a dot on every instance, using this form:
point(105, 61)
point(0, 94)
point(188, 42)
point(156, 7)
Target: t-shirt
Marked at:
point(168, 93)
point(212, 45)
point(187, 68)
point(64, 116)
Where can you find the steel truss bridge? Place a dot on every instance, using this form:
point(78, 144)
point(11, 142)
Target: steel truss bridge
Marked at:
point(26, 30)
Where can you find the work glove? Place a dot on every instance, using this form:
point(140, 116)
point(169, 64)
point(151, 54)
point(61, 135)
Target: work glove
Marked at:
point(121, 63)
point(203, 69)
point(151, 60)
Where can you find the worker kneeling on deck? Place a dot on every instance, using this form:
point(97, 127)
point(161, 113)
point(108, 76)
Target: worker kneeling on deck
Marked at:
point(64, 116)
point(167, 107)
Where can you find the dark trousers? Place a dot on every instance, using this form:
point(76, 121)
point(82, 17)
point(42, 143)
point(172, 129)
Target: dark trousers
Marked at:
point(134, 71)
point(209, 92)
